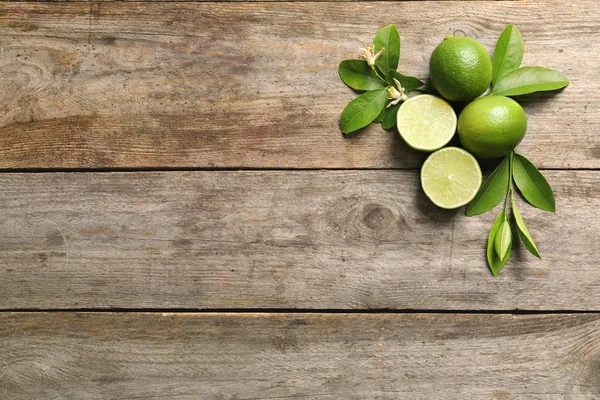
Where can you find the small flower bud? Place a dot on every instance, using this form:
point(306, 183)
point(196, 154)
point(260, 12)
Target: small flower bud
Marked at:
point(396, 95)
point(368, 54)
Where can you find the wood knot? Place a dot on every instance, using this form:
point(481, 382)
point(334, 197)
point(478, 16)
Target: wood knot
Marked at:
point(381, 223)
point(55, 238)
point(368, 220)
point(377, 217)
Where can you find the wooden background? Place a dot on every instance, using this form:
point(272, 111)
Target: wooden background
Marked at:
point(180, 217)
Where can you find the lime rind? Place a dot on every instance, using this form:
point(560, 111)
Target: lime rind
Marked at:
point(426, 122)
point(451, 177)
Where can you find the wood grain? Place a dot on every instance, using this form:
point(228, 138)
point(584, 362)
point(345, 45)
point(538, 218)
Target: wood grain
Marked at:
point(255, 85)
point(282, 239)
point(224, 1)
point(304, 356)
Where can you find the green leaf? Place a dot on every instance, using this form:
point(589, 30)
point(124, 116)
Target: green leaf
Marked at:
point(503, 239)
point(532, 184)
point(494, 261)
point(526, 80)
point(493, 190)
point(390, 116)
point(361, 111)
point(379, 117)
point(359, 76)
point(388, 38)
point(524, 232)
point(409, 83)
point(508, 53)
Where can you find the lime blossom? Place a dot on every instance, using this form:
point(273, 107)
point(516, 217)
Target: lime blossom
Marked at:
point(369, 55)
point(396, 95)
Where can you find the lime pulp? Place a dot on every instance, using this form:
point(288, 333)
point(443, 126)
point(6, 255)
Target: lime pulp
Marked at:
point(426, 122)
point(451, 177)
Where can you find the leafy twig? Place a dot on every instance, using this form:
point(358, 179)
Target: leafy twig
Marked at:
point(375, 73)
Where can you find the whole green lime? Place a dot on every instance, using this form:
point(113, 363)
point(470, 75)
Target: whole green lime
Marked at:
point(492, 126)
point(460, 69)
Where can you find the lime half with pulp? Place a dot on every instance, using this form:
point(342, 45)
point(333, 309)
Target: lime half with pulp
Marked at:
point(451, 177)
point(426, 122)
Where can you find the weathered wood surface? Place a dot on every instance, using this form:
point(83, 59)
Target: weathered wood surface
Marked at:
point(282, 239)
point(304, 356)
point(135, 85)
point(242, 1)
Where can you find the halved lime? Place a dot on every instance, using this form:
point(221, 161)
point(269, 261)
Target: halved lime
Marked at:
point(450, 177)
point(426, 122)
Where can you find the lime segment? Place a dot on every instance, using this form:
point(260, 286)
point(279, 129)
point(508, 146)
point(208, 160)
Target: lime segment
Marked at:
point(450, 177)
point(426, 122)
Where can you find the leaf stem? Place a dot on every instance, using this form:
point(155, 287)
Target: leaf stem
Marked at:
point(510, 171)
point(509, 189)
point(377, 73)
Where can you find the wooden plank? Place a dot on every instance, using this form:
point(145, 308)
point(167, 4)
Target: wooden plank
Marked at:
point(307, 239)
point(220, 1)
point(305, 356)
point(255, 85)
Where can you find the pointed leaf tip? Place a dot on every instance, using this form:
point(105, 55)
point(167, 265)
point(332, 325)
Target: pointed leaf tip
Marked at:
point(503, 239)
point(532, 184)
point(523, 232)
point(361, 111)
point(387, 38)
point(359, 76)
point(492, 191)
point(508, 53)
point(527, 80)
point(494, 261)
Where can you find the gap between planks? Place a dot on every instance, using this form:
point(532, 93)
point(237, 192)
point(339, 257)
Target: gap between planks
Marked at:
point(295, 311)
point(247, 1)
